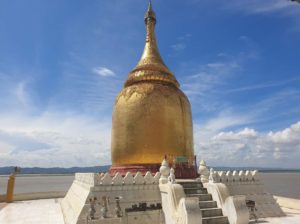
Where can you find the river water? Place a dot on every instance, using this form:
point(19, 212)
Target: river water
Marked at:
point(281, 184)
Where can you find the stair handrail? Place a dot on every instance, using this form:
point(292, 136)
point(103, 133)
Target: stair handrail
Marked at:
point(177, 208)
point(234, 207)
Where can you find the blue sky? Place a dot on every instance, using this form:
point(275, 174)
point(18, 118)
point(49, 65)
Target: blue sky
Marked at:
point(62, 62)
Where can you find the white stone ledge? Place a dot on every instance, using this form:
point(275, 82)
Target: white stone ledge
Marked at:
point(104, 179)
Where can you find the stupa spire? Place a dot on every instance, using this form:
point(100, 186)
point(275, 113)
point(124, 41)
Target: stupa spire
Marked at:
point(150, 13)
point(151, 66)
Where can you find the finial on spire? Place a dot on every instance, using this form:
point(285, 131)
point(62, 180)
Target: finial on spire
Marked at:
point(150, 6)
point(150, 14)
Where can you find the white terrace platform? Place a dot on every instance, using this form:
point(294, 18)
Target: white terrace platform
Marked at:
point(48, 211)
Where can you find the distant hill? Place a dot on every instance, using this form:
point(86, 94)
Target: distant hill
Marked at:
point(55, 170)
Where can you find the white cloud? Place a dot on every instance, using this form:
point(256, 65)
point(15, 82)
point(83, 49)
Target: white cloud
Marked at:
point(249, 147)
point(286, 8)
point(226, 120)
point(21, 94)
point(277, 154)
point(264, 85)
point(50, 135)
point(204, 83)
point(258, 6)
point(212, 76)
point(16, 93)
point(228, 136)
point(216, 65)
point(289, 135)
point(103, 71)
point(53, 139)
point(215, 126)
point(182, 43)
point(178, 46)
point(5, 148)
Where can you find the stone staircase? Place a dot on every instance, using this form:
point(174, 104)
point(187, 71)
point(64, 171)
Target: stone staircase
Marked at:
point(211, 214)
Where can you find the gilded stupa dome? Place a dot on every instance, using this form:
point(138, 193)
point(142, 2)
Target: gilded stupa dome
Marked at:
point(152, 116)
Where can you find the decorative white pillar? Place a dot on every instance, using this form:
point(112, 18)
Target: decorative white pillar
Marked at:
point(164, 171)
point(203, 171)
point(212, 176)
point(171, 177)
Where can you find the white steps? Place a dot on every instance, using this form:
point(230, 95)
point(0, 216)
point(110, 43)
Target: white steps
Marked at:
point(211, 214)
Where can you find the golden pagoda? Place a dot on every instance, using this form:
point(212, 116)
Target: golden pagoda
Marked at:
point(152, 117)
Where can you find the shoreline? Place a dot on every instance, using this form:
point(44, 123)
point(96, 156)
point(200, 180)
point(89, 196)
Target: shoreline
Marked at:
point(73, 174)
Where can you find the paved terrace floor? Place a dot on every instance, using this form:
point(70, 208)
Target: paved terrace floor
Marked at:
point(48, 211)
